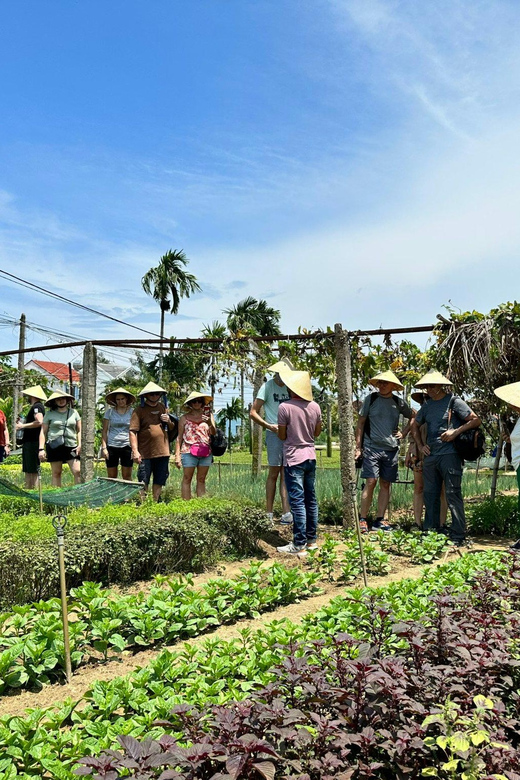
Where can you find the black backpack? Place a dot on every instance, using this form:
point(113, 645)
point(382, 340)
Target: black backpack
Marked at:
point(470, 445)
point(218, 443)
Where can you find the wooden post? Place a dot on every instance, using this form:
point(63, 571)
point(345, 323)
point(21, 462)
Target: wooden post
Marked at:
point(496, 465)
point(329, 427)
point(346, 425)
point(19, 382)
point(256, 463)
point(242, 401)
point(88, 412)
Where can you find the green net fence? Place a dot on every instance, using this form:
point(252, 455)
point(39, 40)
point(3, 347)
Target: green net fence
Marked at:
point(96, 493)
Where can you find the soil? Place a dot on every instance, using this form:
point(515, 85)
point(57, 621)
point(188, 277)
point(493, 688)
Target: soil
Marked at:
point(15, 703)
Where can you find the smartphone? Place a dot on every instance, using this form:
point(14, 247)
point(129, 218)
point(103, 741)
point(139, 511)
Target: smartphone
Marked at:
point(207, 409)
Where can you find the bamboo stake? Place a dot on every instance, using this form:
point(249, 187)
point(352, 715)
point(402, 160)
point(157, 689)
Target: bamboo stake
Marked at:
point(40, 488)
point(353, 488)
point(60, 523)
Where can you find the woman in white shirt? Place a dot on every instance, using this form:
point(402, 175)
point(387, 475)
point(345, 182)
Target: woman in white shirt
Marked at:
point(511, 395)
point(115, 439)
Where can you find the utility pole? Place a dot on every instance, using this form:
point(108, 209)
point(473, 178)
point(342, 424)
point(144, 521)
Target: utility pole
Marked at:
point(18, 386)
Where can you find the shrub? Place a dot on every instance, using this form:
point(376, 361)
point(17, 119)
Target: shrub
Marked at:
point(142, 545)
point(498, 517)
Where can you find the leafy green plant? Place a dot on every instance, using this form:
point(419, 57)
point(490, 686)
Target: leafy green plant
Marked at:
point(323, 559)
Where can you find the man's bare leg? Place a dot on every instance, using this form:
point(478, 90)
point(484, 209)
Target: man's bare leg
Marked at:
point(366, 496)
point(283, 493)
point(383, 498)
point(270, 487)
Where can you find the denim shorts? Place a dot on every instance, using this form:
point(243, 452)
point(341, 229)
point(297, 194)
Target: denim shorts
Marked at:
point(380, 463)
point(156, 466)
point(274, 447)
point(190, 461)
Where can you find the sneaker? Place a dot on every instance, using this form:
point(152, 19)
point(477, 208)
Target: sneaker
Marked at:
point(286, 518)
point(515, 546)
point(270, 516)
point(312, 546)
point(291, 549)
point(381, 525)
point(363, 526)
point(459, 542)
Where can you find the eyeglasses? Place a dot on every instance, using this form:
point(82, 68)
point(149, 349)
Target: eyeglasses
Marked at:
point(197, 401)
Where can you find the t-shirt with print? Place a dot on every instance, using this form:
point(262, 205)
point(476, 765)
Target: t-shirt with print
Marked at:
point(33, 434)
point(118, 427)
point(152, 438)
point(272, 395)
point(301, 418)
point(435, 415)
point(383, 414)
point(2, 429)
point(62, 424)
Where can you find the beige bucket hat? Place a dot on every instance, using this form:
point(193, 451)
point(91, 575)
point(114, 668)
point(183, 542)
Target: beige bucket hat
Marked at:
point(151, 387)
point(297, 381)
point(58, 394)
point(35, 392)
point(110, 398)
point(281, 365)
point(509, 393)
point(386, 376)
point(433, 378)
point(195, 394)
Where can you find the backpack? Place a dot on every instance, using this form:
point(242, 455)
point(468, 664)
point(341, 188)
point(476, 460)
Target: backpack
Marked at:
point(218, 443)
point(470, 445)
point(173, 432)
point(373, 396)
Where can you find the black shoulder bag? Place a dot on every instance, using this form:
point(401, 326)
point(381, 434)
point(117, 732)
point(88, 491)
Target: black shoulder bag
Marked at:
point(470, 445)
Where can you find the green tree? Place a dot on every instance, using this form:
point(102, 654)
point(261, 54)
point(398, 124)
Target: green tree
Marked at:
point(232, 411)
point(169, 282)
point(217, 330)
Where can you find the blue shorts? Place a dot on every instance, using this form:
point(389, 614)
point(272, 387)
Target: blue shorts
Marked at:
point(190, 461)
point(156, 466)
point(380, 463)
point(274, 447)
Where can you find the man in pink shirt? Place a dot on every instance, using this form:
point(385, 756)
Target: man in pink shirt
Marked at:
point(299, 422)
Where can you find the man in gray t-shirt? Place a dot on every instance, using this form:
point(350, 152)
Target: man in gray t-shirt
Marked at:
point(378, 437)
point(446, 417)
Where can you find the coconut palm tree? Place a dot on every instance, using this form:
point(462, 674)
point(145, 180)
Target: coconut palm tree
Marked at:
point(254, 317)
point(168, 282)
point(232, 411)
point(217, 330)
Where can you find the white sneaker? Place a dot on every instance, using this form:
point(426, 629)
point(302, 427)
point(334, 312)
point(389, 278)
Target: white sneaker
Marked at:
point(286, 518)
point(290, 549)
point(270, 516)
point(312, 546)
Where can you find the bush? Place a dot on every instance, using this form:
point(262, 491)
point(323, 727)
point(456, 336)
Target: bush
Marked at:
point(142, 545)
point(331, 511)
point(498, 517)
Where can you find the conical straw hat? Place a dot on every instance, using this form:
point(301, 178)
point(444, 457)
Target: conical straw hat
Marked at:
point(509, 393)
point(419, 398)
point(151, 387)
point(56, 395)
point(35, 392)
point(433, 378)
point(110, 398)
point(192, 396)
point(386, 376)
point(299, 382)
point(281, 365)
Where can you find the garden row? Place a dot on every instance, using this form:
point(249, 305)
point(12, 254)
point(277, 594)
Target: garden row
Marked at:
point(122, 544)
point(50, 742)
point(103, 625)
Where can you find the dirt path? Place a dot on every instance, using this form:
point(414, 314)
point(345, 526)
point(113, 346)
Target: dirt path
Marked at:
point(16, 703)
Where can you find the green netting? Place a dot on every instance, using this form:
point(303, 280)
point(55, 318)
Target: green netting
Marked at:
point(96, 493)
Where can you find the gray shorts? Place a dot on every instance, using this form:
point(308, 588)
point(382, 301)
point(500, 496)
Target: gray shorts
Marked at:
point(380, 463)
point(274, 449)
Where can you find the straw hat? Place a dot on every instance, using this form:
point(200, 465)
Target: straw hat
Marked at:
point(192, 396)
point(35, 392)
point(281, 365)
point(386, 376)
point(151, 387)
point(297, 381)
point(56, 395)
point(110, 398)
point(419, 398)
point(509, 393)
point(433, 378)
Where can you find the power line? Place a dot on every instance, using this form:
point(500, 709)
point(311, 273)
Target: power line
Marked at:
point(31, 286)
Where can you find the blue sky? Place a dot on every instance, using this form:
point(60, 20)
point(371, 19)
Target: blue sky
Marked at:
point(351, 161)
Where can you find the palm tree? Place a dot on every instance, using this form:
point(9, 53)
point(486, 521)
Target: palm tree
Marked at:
point(167, 283)
point(232, 411)
point(254, 317)
point(217, 330)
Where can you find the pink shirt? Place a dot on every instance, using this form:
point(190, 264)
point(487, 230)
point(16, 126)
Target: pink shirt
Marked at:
point(301, 418)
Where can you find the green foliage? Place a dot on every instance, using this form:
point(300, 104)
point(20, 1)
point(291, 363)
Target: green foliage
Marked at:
point(126, 544)
point(323, 559)
point(498, 517)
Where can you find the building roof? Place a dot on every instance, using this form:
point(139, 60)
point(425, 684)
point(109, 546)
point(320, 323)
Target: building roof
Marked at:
point(58, 370)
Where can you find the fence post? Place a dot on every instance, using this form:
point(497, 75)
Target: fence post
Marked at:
point(88, 412)
point(18, 382)
point(256, 463)
point(496, 465)
point(346, 424)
